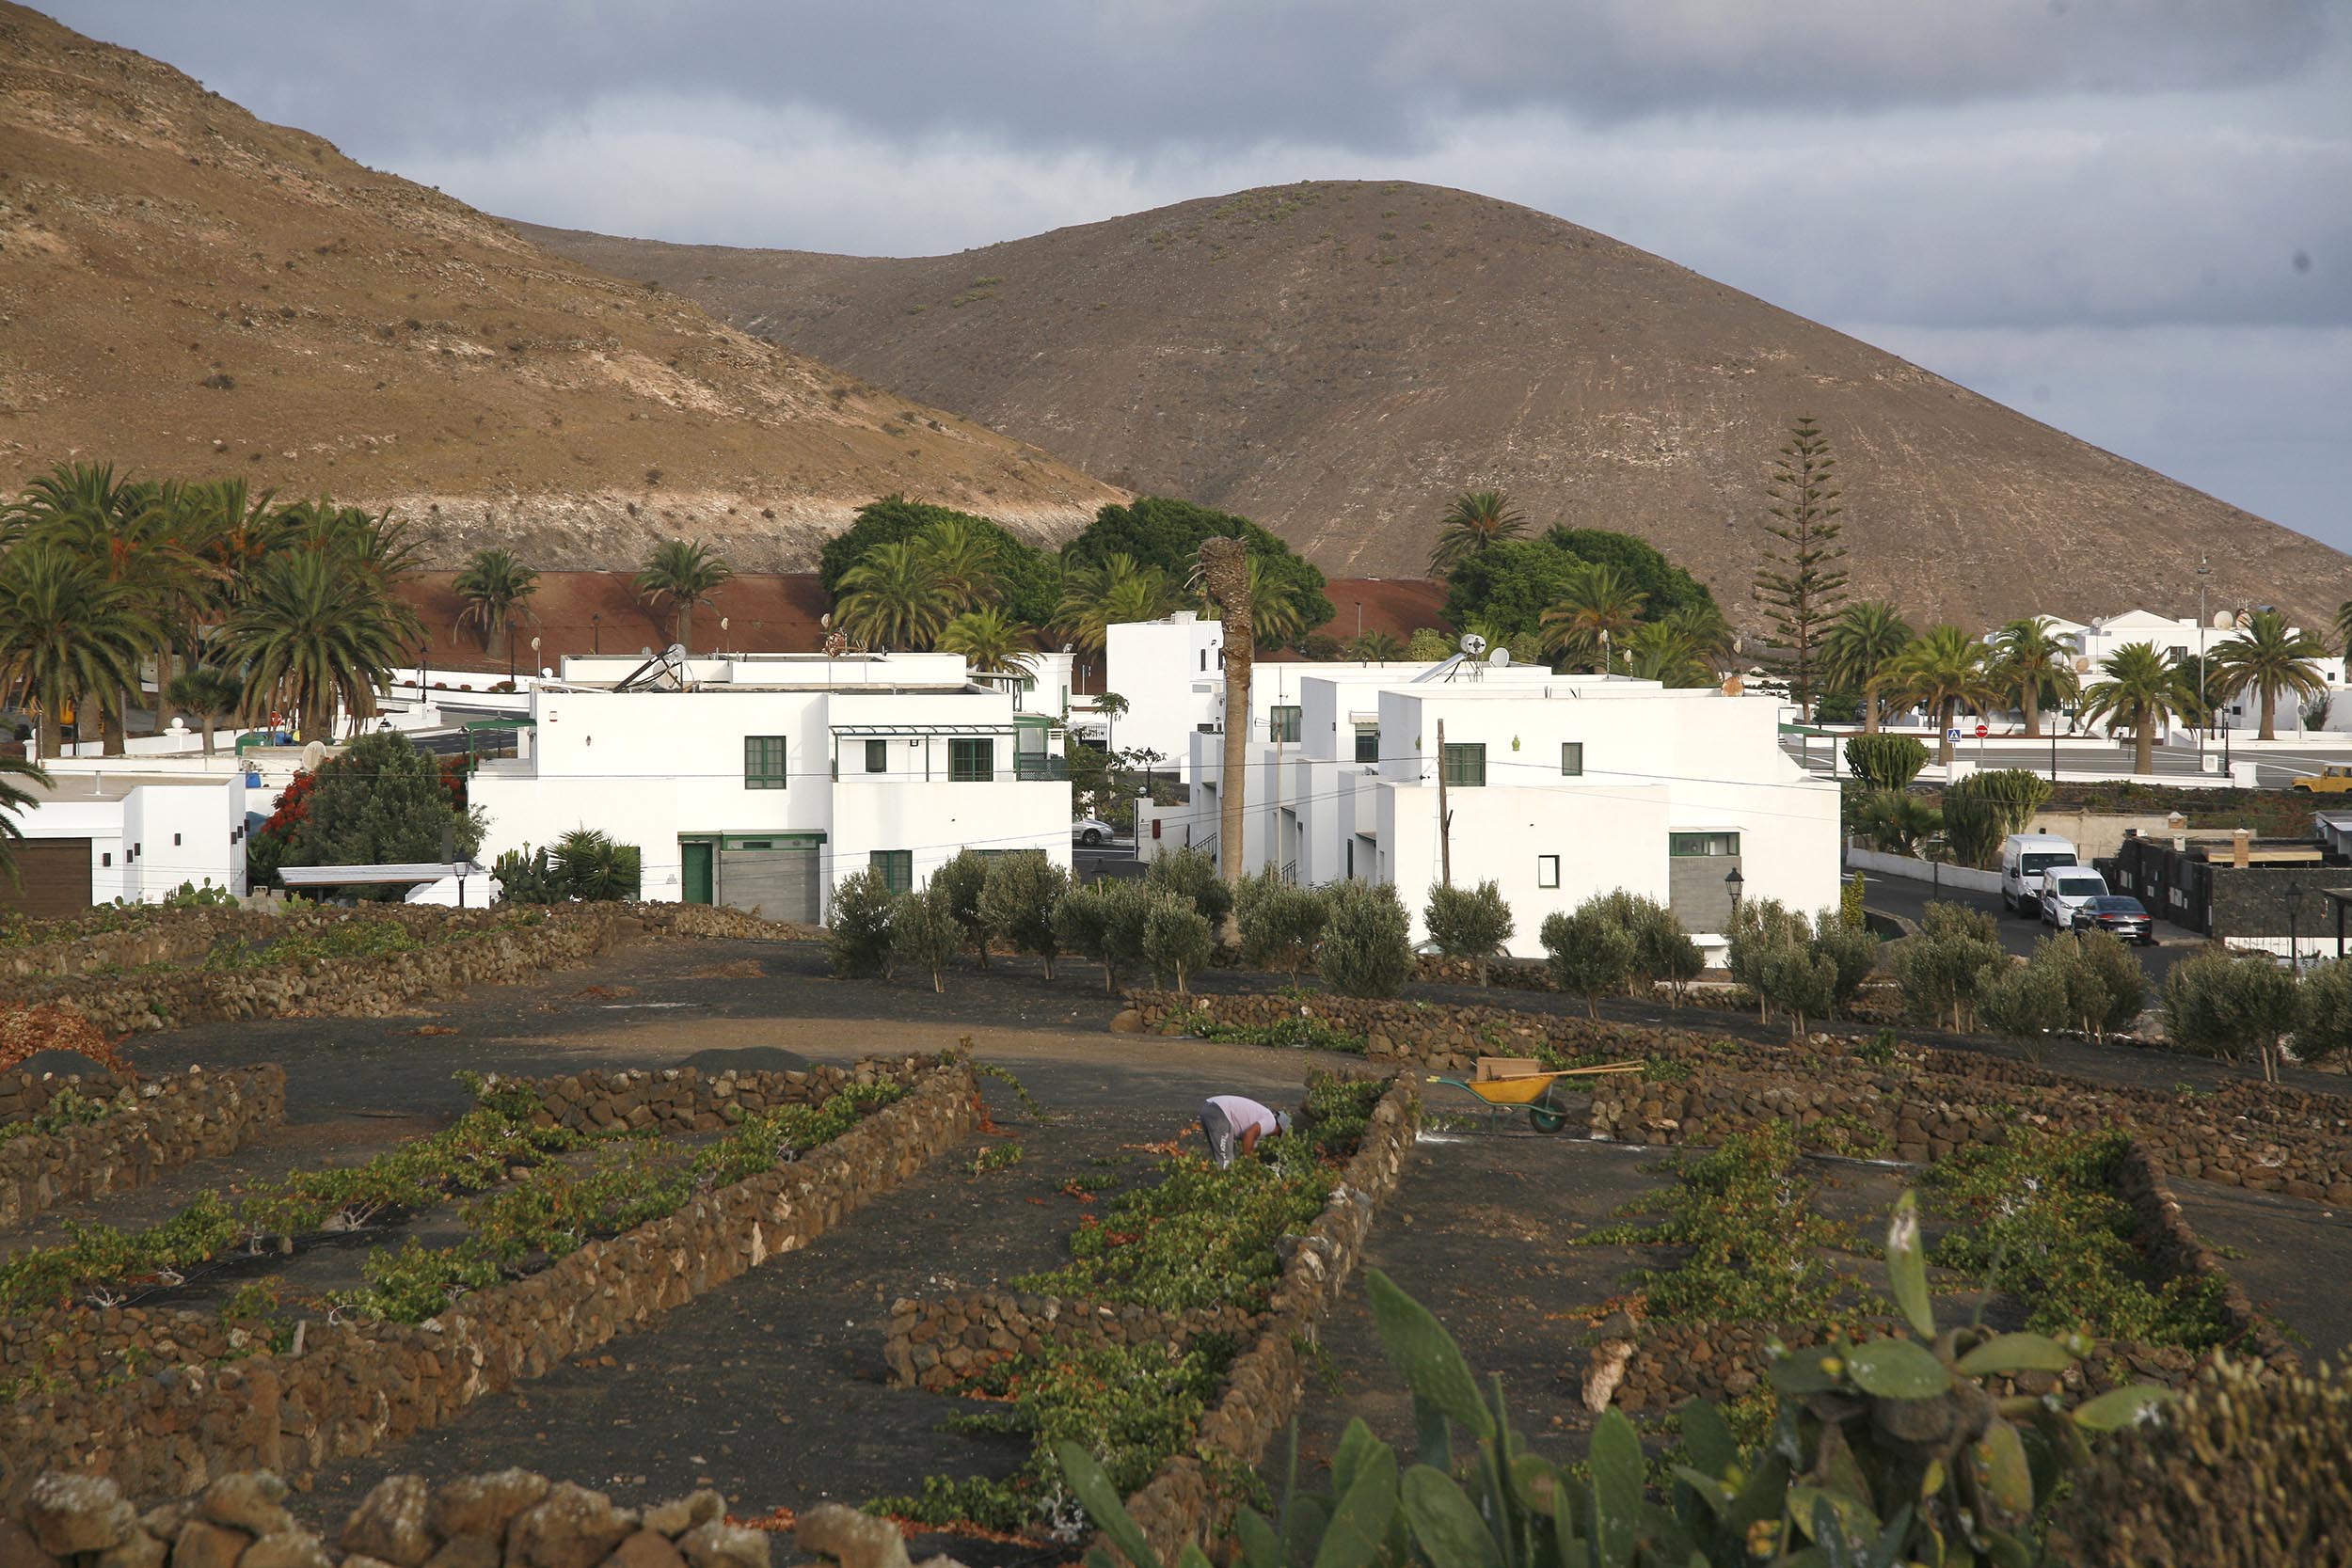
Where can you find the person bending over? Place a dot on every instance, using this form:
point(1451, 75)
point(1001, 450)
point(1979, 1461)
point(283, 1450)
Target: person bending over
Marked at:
point(1233, 1125)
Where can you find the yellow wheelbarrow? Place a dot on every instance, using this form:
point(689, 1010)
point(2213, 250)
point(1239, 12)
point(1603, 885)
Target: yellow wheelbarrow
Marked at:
point(1506, 1080)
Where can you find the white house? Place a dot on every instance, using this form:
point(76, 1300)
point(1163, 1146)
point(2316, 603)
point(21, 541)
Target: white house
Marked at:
point(94, 836)
point(1171, 671)
point(1559, 787)
point(760, 782)
point(2187, 639)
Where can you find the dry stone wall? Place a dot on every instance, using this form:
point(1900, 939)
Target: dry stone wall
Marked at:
point(156, 1126)
point(504, 1519)
point(347, 1389)
point(1924, 1105)
point(683, 1100)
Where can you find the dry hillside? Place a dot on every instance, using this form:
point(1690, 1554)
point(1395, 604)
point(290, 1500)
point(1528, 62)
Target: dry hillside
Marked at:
point(185, 289)
point(1336, 359)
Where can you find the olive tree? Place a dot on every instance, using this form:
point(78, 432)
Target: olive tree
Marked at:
point(1176, 938)
point(924, 930)
point(1468, 923)
point(857, 943)
point(1589, 953)
point(1018, 901)
point(1367, 944)
point(1280, 925)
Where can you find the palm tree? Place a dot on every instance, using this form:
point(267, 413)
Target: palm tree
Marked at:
point(2343, 630)
point(2140, 688)
point(1858, 648)
point(494, 585)
point(314, 631)
point(2270, 657)
point(685, 575)
point(1663, 652)
point(1278, 615)
point(1599, 606)
point(964, 559)
point(209, 692)
point(1096, 597)
point(15, 801)
point(987, 638)
point(1375, 647)
point(1476, 519)
point(894, 597)
point(2030, 665)
point(1940, 672)
point(1712, 637)
point(69, 639)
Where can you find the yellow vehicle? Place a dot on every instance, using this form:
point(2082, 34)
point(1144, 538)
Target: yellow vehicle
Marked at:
point(2334, 779)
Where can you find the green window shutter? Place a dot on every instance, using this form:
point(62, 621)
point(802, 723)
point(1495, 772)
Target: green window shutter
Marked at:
point(1572, 759)
point(877, 756)
point(764, 762)
point(971, 760)
point(1283, 721)
point(1466, 766)
point(895, 866)
point(1367, 743)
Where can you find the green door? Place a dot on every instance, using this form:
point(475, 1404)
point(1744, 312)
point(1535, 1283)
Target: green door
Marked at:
point(696, 878)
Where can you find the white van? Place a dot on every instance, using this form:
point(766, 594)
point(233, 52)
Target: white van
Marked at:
point(2066, 889)
point(2024, 858)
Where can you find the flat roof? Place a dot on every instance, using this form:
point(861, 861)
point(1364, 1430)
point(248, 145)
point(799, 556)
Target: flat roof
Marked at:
point(113, 784)
point(356, 876)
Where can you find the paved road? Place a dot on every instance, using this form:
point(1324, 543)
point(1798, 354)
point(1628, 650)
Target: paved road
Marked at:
point(2081, 759)
point(1900, 895)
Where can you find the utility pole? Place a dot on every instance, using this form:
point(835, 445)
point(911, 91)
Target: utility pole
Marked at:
point(2203, 719)
point(1445, 817)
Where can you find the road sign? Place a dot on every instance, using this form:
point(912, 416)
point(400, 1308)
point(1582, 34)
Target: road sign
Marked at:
point(1982, 731)
point(1952, 735)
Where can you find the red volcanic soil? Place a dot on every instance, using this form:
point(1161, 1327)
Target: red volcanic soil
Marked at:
point(777, 612)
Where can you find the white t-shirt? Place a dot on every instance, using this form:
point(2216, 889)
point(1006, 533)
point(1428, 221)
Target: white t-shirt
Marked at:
point(1244, 1115)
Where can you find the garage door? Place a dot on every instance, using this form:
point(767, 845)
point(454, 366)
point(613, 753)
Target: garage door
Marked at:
point(779, 878)
point(54, 878)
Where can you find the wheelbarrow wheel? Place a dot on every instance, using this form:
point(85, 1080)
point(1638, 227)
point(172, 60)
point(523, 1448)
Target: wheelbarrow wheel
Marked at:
point(1545, 1119)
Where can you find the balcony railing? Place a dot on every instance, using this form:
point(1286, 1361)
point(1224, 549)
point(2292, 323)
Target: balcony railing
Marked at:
point(1031, 768)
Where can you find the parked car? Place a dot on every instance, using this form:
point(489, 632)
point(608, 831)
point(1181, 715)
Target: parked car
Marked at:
point(2334, 779)
point(2118, 915)
point(1091, 831)
point(2025, 857)
point(2067, 889)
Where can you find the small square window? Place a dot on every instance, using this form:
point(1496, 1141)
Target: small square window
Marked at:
point(971, 760)
point(1282, 723)
point(878, 760)
point(1466, 766)
point(897, 867)
point(1703, 844)
point(106, 857)
point(1547, 871)
point(1367, 743)
point(763, 762)
point(1572, 759)
point(175, 841)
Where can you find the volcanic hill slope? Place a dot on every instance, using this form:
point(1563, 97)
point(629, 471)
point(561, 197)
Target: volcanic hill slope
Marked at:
point(1337, 360)
point(187, 289)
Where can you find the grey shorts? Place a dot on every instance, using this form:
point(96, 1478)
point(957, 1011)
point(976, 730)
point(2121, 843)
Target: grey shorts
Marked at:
point(1218, 1129)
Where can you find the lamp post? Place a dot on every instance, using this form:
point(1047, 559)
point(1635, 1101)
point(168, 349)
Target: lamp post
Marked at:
point(510, 657)
point(596, 634)
point(2295, 909)
point(424, 670)
point(2204, 718)
point(1735, 882)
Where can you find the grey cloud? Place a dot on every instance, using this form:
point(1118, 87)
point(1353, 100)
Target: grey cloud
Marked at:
point(1377, 74)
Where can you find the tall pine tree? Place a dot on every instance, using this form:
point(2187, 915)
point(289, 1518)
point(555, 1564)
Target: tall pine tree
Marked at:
point(1801, 584)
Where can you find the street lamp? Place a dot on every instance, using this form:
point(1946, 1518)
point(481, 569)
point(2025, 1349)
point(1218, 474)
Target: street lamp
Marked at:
point(1735, 882)
point(2203, 718)
point(2295, 909)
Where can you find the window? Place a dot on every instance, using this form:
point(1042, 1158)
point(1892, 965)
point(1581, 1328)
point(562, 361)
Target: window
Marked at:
point(877, 756)
point(1283, 723)
point(1702, 844)
point(1547, 871)
point(895, 867)
point(763, 762)
point(1466, 766)
point(1572, 759)
point(970, 760)
point(1367, 743)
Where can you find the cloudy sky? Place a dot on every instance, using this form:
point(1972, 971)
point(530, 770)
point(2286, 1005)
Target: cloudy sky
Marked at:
point(2132, 218)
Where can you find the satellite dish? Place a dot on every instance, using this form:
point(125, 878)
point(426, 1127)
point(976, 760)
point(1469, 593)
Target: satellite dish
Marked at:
point(2082, 664)
point(1500, 659)
point(826, 619)
point(313, 756)
point(2222, 620)
point(1472, 643)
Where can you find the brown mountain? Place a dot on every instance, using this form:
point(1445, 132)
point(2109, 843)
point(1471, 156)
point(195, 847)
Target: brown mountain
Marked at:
point(1336, 361)
point(185, 289)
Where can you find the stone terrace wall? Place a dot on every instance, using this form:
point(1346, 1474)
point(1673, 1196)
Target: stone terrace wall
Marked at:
point(24, 1094)
point(684, 1100)
point(354, 1386)
point(162, 1123)
point(2242, 1133)
point(513, 1517)
point(936, 1345)
point(1182, 1505)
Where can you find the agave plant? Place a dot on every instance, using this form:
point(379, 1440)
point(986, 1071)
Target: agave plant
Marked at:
point(1884, 1452)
